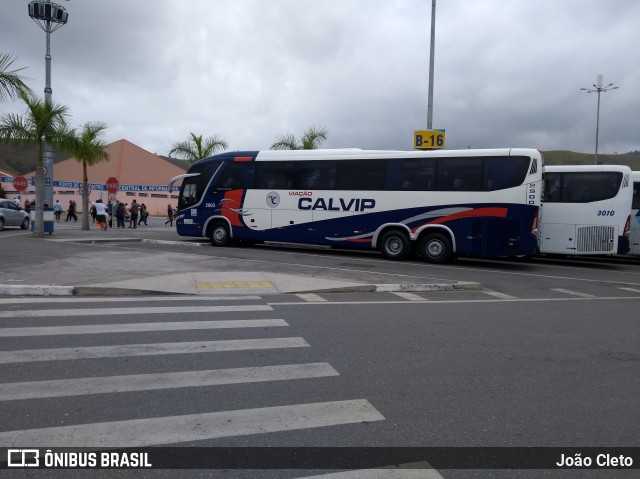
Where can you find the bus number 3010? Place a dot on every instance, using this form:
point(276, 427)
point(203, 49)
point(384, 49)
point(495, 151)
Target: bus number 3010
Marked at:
point(606, 213)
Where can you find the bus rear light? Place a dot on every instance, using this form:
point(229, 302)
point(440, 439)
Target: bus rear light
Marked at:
point(627, 227)
point(534, 225)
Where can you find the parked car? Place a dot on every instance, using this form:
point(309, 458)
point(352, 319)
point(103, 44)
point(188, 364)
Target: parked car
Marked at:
point(12, 215)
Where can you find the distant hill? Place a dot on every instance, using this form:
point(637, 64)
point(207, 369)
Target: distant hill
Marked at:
point(20, 159)
point(560, 157)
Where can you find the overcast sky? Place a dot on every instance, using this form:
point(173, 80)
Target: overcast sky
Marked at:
point(507, 72)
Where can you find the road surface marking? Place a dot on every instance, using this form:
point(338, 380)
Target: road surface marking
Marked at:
point(139, 327)
point(410, 296)
point(153, 349)
point(310, 297)
point(197, 427)
point(36, 313)
point(148, 382)
point(632, 290)
point(573, 293)
point(498, 295)
point(382, 474)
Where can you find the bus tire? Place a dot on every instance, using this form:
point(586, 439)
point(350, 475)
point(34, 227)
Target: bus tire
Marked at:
point(395, 245)
point(220, 235)
point(435, 248)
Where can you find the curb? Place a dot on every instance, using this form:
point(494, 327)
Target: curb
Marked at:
point(50, 290)
point(36, 290)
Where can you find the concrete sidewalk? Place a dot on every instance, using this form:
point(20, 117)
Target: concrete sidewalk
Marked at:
point(81, 263)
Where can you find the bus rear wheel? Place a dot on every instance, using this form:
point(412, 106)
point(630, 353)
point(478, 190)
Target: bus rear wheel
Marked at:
point(395, 245)
point(220, 235)
point(435, 248)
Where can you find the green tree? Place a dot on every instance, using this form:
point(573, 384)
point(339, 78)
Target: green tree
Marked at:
point(310, 140)
point(42, 122)
point(88, 149)
point(11, 83)
point(196, 148)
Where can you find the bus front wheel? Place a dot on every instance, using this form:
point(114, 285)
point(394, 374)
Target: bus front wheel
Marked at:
point(220, 235)
point(395, 245)
point(435, 248)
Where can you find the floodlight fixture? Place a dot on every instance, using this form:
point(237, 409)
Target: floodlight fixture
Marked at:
point(598, 88)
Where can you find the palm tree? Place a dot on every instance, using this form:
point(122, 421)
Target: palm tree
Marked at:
point(42, 122)
point(310, 140)
point(196, 147)
point(89, 149)
point(11, 83)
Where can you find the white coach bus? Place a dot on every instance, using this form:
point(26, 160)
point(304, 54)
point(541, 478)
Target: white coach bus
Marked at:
point(436, 204)
point(635, 215)
point(586, 210)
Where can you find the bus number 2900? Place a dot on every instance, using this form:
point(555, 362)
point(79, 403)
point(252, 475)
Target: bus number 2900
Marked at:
point(606, 213)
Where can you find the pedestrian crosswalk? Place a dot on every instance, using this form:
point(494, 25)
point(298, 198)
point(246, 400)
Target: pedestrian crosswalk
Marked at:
point(63, 340)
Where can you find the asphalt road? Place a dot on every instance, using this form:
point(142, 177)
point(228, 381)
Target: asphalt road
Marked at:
point(546, 355)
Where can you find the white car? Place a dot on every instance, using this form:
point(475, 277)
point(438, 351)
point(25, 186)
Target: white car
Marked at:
point(12, 215)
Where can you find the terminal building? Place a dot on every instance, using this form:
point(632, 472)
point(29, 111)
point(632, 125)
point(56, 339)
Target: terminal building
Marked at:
point(141, 175)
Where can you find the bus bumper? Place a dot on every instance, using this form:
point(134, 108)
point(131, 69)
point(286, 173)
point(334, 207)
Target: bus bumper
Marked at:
point(623, 245)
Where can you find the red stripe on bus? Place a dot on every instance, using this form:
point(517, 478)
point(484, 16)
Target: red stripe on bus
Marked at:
point(233, 202)
point(475, 213)
point(243, 158)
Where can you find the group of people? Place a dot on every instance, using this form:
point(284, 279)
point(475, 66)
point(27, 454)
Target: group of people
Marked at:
point(136, 214)
point(102, 214)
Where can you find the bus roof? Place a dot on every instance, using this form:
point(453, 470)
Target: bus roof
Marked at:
point(349, 153)
point(588, 168)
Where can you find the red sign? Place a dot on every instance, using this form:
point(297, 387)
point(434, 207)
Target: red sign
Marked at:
point(20, 183)
point(112, 185)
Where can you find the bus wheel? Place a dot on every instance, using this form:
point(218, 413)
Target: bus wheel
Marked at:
point(395, 245)
point(435, 248)
point(220, 234)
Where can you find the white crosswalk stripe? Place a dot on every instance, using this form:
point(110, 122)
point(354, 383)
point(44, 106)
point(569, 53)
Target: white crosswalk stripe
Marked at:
point(381, 474)
point(140, 327)
point(574, 293)
point(196, 427)
point(144, 382)
point(153, 349)
point(36, 313)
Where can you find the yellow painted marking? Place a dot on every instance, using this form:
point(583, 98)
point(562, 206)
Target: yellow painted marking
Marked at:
point(233, 284)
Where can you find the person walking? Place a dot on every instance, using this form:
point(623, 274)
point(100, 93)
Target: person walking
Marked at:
point(71, 212)
point(110, 213)
point(94, 214)
point(101, 214)
point(134, 210)
point(57, 210)
point(144, 215)
point(121, 212)
point(169, 216)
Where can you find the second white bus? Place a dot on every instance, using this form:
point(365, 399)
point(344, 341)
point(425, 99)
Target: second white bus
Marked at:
point(635, 216)
point(586, 210)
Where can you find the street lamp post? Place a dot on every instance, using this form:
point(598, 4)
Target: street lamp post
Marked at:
point(598, 88)
point(49, 16)
point(431, 64)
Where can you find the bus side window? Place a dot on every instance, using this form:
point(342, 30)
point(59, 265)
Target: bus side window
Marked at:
point(235, 176)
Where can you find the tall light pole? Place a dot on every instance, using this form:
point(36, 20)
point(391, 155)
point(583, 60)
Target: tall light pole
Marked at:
point(49, 16)
point(598, 88)
point(431, 62)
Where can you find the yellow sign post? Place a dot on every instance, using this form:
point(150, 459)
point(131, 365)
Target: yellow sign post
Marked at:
point(428, 139)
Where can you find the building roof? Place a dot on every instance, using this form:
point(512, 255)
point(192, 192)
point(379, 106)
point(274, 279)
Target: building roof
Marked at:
point(128, 163)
